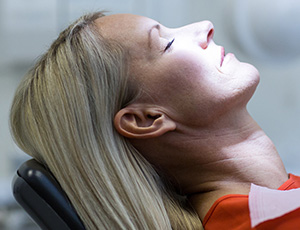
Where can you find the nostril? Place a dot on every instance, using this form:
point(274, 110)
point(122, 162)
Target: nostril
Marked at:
point(210, 35)
point(205, 33)
point(207, 36)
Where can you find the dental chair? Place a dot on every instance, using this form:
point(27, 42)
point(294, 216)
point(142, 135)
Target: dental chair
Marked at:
point(38, 192)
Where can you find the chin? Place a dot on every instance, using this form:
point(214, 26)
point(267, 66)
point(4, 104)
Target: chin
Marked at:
point(252, 73)
point(248, 78)
point(253, 79)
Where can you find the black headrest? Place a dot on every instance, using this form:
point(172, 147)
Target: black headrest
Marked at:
point(38, 192)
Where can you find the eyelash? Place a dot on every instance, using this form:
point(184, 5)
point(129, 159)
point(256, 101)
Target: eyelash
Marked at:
point(169, 44)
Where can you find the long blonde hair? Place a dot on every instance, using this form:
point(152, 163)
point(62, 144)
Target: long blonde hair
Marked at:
point(62, 115)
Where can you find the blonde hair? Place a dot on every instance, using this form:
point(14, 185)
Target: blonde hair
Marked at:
point(62, 115)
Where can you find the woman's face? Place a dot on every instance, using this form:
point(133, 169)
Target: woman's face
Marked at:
point(182, 69)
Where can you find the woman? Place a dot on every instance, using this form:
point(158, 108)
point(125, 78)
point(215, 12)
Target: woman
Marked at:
point(144, 127)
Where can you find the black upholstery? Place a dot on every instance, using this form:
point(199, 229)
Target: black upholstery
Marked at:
point(38, 192)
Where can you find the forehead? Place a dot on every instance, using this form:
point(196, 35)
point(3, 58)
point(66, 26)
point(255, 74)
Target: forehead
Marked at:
point(125, 28)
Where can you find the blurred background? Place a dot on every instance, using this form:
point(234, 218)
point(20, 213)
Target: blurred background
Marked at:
point(265, 33)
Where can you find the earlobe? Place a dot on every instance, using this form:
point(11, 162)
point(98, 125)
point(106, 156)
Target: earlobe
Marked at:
point(141, 123)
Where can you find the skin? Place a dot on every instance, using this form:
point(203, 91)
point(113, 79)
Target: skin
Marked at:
point(191, 120)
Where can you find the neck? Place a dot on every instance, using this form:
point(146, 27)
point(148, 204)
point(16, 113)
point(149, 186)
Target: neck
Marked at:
point(225, 159)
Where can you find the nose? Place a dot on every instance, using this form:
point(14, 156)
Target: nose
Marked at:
point(206, 33)
point(201, 32)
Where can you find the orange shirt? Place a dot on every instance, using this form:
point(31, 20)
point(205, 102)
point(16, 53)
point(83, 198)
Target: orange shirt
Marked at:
point(232, 212)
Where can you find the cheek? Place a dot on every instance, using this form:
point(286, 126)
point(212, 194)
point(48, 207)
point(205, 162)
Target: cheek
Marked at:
point(191, 74)
point(185, 86)
point(184, 68)
point(178, 76)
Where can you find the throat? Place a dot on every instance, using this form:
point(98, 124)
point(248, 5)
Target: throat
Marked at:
point(232, 169)
point(235, 177)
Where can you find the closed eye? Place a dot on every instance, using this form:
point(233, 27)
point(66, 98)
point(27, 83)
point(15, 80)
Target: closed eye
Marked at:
point(169, 44)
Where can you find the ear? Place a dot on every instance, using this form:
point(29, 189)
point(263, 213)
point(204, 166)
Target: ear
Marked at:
point(139, 122)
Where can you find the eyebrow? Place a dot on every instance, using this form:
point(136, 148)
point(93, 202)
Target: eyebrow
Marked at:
point(156, 26)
